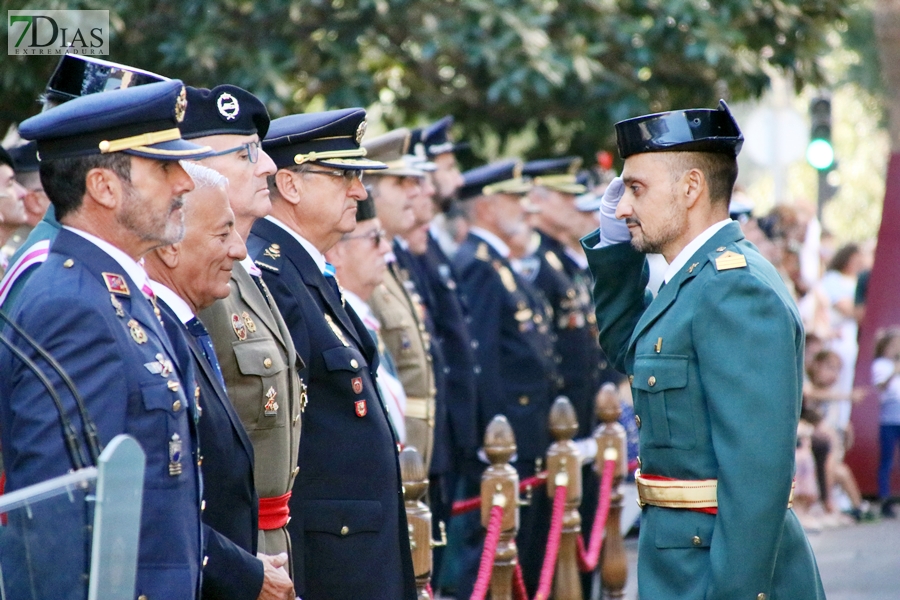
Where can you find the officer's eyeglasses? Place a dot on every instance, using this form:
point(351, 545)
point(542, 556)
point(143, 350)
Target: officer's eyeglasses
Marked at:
point(347, 174)
point(252, 149)
point(376, 235)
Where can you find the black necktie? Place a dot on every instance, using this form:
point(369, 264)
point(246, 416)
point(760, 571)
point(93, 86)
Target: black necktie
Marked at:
point(199, 331)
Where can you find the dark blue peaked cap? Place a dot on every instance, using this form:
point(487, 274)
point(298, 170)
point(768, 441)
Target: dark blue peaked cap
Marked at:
point(433, 139)
point(25, 157)
point(556, 174)
point(331, 138)
point(564, 165)
point(501, 177)
point(141, 121)
point(693, 130)
point(223, 110)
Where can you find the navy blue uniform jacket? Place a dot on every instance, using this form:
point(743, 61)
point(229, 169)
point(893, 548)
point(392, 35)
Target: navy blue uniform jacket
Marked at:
point(348, 522)
point(515, 347)
point(68, 309)
point(230, 503)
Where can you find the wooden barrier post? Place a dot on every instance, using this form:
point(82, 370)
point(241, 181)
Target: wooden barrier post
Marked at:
point(564, 468)
point(418, 517)
point(500, 485)
point(610, 436)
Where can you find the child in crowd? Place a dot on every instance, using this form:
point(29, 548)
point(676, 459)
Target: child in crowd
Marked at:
point(820, 390)
point(806, 491)
point(885, 369)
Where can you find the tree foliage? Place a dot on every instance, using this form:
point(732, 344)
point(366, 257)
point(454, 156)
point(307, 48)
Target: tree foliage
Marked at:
point(563, 70)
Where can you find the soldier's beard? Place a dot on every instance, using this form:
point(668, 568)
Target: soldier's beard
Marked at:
point(671, 227)
point(164, 229)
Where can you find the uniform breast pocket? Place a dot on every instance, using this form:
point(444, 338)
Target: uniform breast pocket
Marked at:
point(263, 358)
point(663, 401)
point(163, 430)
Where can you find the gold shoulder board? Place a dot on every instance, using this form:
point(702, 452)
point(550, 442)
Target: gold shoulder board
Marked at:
point(730, 260)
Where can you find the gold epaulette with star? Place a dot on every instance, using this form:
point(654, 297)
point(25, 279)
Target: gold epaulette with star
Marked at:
point(482, 253)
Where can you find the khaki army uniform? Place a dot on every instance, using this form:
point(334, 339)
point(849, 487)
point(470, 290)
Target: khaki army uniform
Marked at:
point(402, 319)
point(259, 364)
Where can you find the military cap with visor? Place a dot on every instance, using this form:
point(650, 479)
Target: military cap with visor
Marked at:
point(500, 177)
point(331, 138)
point(223, 110)
point(391, 149)
point(78, 75)
point(140, 121)
point(433, 140)
point(25, 157)
point(692, 130)
point(558, 174)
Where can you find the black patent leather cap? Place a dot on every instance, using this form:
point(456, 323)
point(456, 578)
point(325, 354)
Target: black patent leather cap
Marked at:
point(692, 130)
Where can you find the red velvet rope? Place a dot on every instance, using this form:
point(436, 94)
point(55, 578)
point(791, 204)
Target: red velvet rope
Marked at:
point(587, 561)
point(556, 522)
point(487, 555)
point(470, 504)
point(464, 506)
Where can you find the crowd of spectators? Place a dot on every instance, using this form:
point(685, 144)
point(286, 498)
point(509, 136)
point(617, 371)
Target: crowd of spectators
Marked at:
point(828, 282)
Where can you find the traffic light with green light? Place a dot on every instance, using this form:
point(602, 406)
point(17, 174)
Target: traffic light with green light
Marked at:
point(820, 152)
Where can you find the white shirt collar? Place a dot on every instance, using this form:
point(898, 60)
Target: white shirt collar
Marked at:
point(135, 271)
point(181, 308)
point(688, 251)
point(317, 256)
point(363, 310)
point(401, 242)
point(495, 242)
point(248, 265)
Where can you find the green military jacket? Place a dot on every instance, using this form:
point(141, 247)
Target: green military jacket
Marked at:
point(403, 331)
point(259, 365)
point(716, 365)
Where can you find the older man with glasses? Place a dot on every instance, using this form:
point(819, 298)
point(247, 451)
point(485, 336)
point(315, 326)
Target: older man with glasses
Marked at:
point(350, 539)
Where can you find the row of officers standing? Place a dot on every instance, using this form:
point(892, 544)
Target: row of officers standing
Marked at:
point(214, 282)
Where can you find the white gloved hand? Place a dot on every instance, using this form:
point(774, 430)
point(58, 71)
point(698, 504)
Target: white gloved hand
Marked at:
point(612, 230)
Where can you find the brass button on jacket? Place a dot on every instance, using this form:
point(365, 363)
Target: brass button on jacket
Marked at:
point(652, 381)
point(637, 421)
point(354, 363)
point(696, 540)
point(267, 363)
point(345, 530)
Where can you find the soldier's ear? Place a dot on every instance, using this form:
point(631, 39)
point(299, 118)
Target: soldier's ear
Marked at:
point(104, 187)
point(693, 185)
point(288, 184)
point(169, 255)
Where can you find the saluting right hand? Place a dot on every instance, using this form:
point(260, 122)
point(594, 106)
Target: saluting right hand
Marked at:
point(612, 230)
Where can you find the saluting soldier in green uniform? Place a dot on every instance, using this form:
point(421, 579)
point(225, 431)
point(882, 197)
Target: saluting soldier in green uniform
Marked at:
point(716, 365)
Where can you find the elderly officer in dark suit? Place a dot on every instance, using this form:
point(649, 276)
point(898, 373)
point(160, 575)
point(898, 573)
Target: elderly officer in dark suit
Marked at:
point(349, 529)
point(187, 277)
point(251, 340)
point(110, 167)
point(515, 345)
point(75, 76)
point(716, 364)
